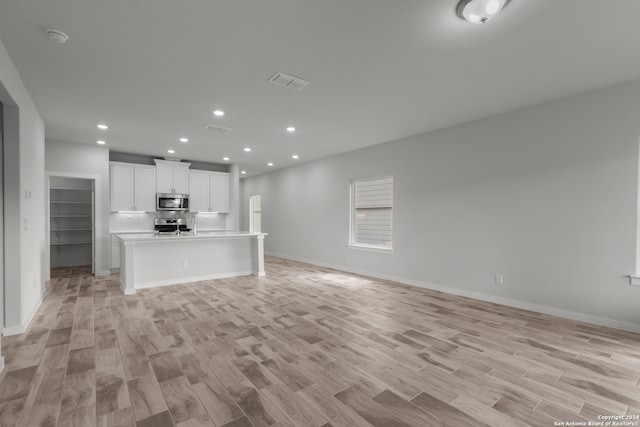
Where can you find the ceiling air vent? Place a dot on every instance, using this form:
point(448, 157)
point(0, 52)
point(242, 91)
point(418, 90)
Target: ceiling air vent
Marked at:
point(288, 81)
point(217, 128)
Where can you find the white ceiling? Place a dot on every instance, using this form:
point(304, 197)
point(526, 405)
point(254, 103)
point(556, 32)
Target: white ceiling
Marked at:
point(154, 70)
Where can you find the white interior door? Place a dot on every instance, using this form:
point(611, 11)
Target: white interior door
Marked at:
point(1, 239)
point(93, 227)
point(255, 218)
point(1, 232)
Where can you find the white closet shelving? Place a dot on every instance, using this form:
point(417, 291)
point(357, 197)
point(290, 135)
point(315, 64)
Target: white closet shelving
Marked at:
point(71, 222)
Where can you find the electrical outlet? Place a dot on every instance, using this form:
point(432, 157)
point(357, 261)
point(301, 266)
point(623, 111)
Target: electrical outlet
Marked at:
point(185, 263)
point(499, 279)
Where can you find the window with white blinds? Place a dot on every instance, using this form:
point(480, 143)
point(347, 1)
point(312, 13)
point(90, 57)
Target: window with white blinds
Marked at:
point(372, 212)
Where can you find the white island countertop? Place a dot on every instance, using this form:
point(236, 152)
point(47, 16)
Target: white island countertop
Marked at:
point(148, 259)
point(150, 237)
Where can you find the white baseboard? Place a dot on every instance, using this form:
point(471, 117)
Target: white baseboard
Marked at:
point(182, 280)
point(103, 273)
point(581, 317)
point(22, 327)
point(125, 290)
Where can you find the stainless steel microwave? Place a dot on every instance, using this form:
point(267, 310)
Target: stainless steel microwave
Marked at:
point(172, 202)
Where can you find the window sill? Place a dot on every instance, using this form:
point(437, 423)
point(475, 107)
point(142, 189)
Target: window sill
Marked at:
point(378, 249)
point(634, 279)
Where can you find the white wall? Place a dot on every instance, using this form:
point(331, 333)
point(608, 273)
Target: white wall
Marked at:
point(24, 216)
point(88, 162)
point(545, 196)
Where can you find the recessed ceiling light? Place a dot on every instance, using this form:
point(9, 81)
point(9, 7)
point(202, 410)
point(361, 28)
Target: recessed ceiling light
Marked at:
point(218, 113)
point(103, 126)
point(226, 159)
point(243, 172)
point(101, 142)
point(270, 164)
point(295, 156)
point(247, 149)
point(184, 139)
point(171, 151)
point(291, 129)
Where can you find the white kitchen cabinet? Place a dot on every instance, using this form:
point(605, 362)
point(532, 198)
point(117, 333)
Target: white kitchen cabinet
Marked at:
point(172, 177)
point(144, 184)
point(121, 187)
point(199, 191)
point(209, 191)
point(219, 192)
point(133, 187)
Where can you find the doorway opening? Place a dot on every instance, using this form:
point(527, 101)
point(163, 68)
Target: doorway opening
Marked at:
point(255, 216)
point(2, 242)
point(71, 225)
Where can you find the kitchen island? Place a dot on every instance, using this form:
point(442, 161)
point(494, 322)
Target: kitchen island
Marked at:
point(149, 260)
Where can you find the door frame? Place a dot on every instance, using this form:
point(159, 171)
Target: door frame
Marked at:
point(97, 216)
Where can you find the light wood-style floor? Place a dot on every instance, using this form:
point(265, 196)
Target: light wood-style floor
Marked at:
point(306, 346)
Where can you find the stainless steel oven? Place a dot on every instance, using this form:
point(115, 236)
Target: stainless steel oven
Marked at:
point(172, 202)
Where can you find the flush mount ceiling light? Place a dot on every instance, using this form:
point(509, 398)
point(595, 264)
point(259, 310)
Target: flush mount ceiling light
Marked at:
point(247, 149)
point(291, 129)
point(101, 142)
point(243, 172)
point(103, 126)
point(57, 36)
point(185, 140)
point(171, 151)
point(218, 113)
point(226, 159)
point(270, 164)
point(479, 11)
point(295, 157)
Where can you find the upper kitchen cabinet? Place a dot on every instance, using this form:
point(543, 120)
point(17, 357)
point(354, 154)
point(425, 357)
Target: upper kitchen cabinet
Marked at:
point(133, 187)
point(172, 177)
point(199, 191)
point(209, 191)
point(219, 191)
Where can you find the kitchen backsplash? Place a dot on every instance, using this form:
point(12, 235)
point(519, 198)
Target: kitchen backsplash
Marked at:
point(144, 221)
point(131, 221)
point(209, 221)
